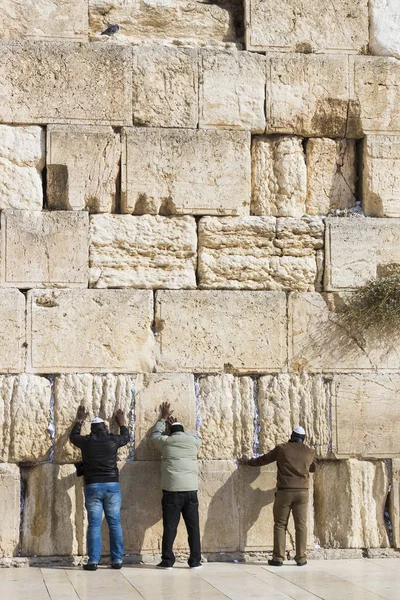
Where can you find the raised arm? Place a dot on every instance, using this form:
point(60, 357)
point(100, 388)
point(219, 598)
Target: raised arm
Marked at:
point(158, 433)
point(264, 459)
point(123, 437)
point(75, 437)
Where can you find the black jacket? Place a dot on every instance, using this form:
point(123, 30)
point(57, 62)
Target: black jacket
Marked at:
point(99, 453)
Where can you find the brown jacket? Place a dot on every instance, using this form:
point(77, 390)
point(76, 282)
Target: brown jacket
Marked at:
point(295, 461)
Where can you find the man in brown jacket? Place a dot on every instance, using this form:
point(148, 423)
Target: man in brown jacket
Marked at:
point(295, 461)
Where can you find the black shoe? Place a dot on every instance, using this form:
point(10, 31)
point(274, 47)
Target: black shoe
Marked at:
point(302, 564)
point(275, 563)
point(116, 565)
point(164, 565)
point(90, 567)
point(197, 566)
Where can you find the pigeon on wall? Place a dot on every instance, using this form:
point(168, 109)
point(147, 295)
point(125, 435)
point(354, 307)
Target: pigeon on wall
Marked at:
point(111, 29)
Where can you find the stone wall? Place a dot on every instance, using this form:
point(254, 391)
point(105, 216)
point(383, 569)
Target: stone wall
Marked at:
point(184, 209)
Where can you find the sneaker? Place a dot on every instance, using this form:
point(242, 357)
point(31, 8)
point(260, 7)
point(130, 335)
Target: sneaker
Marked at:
point(90, 567)
point(275, 563)
point(163, 565)
point(302, 564)
point(116, 565)
point(196, 566)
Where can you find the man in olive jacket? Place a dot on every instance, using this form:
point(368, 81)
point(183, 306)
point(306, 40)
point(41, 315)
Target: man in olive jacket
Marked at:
point(295, 461)
point(179, 482)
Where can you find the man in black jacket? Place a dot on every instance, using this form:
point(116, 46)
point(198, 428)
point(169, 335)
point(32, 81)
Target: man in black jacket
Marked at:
point(102, 491)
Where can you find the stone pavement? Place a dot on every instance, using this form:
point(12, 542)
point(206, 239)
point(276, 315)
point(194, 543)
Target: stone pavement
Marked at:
point(363, 579)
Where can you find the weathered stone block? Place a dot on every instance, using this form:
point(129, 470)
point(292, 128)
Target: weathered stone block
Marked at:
point(395, 502)
point(227, 413)
point(53, 521)
point(150, 391)
point(143, 252)
point(384, 32)
point(365, 415)
point(24, 418)
point(22, 158)
point(354, 492)
point(179, 22)
point(46, 20)
point(82, 167)
point(10, 505)
point(62, 82)
point(359, 250)
point(12, 331)
point(278, 176)
point(319, 340)
point(44, 249)
point(307, 94)
point(166, 92)
point(381, 175)
point(331, 175)
point(286, 401)
point(90, 330)
point(202, 331)
point(299, 27)
point(102, 396)
point(180, 171)
point(260, 253)
point(232, 90)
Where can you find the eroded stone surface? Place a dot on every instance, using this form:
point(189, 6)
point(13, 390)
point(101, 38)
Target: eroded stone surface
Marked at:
point(90, 330)
point(216, 331)
point(178, 171)
point(297, 27)
point(232, 90)
point(82, 167)
point(381, 175)
point(395, 502)
point(22, 158)
point(101, 395)
point(355, 492)
point(260, 253)
point(357, 251)
point(365, 415)
point(10, 505)
point(150, 391)
point(63, 82)
point(307, 94)
point(384, 33)
point(278, 176)
point(227, 416)
point(53, 523)
point(44, 249)
point(331, 175)
point(165, 92)
point(143, 252)
point(12, 331)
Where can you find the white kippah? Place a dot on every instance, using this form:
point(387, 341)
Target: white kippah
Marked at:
point(299, 430)
point(97, 420)
point(172, 424)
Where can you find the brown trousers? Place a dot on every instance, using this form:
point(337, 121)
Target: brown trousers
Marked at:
point(286, 501)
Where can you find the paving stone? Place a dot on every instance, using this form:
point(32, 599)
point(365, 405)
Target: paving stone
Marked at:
point(381, 175)
point(10, 504)
point(12, 331)
point(384, 32)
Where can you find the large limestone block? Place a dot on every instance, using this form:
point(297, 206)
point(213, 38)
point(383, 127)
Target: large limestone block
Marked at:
point(331, 175)
point(102, 396)
point(22, 159)
point(286, 401)
point(179, 22)
point(359, 250)
point(45, 19)
point(44, 249)
point(375, 103)
point(90, 330)
point(10, 506)
point(143, 252)
point(381, 175)
point(307, 27)
point(278, 176)
point(365, 415)
point(307, 94)
point(185, 171)
point(232, 90)
point(82, 167)
point(227, 412)
point(12, 331)
point(384, 32)
point(349, 501)
point(217, 331)
point(53, 522)
point(165, 92)
point(260, 253)
point(319, 340)
point(153, 389)
point(395, 502)
point(24, 418)
point(63, 82)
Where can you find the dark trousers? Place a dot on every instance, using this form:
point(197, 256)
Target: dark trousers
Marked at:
point(173, 504)
point(286, 501)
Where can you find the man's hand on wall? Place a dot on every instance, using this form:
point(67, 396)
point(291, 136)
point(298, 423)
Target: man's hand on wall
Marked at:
point(243, 460)
point(120, 418)
point(166, 411)
point(172, 420)
point(82, 414)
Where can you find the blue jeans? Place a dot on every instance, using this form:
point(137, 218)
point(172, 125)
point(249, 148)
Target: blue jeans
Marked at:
point(107, 496)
